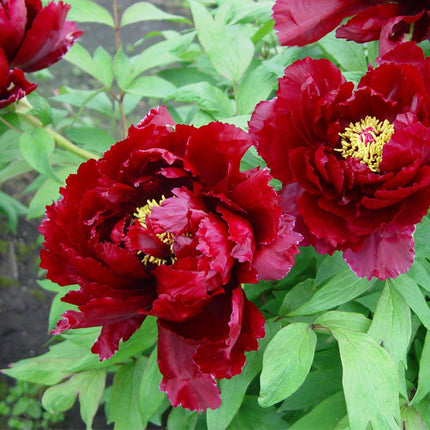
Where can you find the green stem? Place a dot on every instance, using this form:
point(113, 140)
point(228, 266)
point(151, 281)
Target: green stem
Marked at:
point(61, 141)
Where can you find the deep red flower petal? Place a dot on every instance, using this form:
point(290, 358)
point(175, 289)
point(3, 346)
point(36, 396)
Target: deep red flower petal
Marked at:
point(13, 85)
point(183, 382)
point(48, 38)
point(181, 293)
point(213, 243)
point(240, 232)
point(13, 19)
point(274, 260)
point(214, 153)
point(261, 204)
point(306, 21)
point(108, 341)
point(385, 254)
point(225, 357)
point(342, 202)
point(149, 228)
point(368, 24)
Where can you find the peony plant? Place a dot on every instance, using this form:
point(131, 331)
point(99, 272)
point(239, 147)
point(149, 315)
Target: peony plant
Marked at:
point(234, 217)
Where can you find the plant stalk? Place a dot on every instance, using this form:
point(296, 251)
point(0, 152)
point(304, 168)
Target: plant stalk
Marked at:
point(61, 141)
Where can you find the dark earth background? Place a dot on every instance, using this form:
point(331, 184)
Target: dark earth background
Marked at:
point(24, 305)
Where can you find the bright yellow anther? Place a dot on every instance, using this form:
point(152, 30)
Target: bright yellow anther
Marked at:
point(165, 237)
point(365, 140)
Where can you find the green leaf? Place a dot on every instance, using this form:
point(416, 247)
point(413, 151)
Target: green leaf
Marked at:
point(95, 100)
point(150, 396)
point(80, 57)
point(286, 362)
point(420, 272)
point(27, 406)
point(99, 68)
point(424, 372)
point(103, 66)
point(89, 385)
point(90, 394)
point(370, 381)
point(324, 416)
point(341, 320)
point(229, 49)
point(150, 86)
point(330, 266)
point(36, 149)
point(210, 98)
point(88, 11)
point(181, 419)
point(40, 108)
point(259, 12)
point(161, 53)
point(233, 390)
point(297, 296)
point(252, 417)
point(144, 338)
point(12, 209)
point(93, 139)
point(423, 409)
point(414, 297)
point(411, 419)
point(122, 68)
point(143, 11)
point(15, 168)
point(48, 192)
point(350, 56)
point(123, 404)
point(422, 237)
point(339, 289)
point(251, 160)
point(392, 325)
point(324, 381)
point(255, 86)
point(181, 76)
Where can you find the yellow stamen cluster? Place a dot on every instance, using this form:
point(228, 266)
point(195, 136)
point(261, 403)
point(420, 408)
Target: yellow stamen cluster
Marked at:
point(365, 140)
point(165, 237)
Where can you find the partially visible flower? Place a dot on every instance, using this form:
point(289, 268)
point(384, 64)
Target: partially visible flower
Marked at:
point(300, 23)
point(355, 164)
point(32, 37)
point(165, 224)
point(13, 85)
point(306, 21)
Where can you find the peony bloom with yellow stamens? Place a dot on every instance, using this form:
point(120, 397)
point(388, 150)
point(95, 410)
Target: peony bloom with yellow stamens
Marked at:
point(165, 224)
point(355, 163)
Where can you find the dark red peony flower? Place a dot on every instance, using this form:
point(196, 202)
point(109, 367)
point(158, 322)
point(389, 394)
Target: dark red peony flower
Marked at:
point(13, 85)
point(306, 21)
point(165, 224)
point(33, 37)
point(355, 163)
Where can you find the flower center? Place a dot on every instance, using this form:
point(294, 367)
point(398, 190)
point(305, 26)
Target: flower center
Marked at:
point(365, 140)
point(165, 237)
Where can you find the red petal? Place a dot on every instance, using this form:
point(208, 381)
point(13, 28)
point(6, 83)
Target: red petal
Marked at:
point(183, 382)
point(306, 21)
point(13, 86)
point(274, 261)
point(48, 39)
point(240, 232)
point(214, 151)
point(386, 254)
point(13, 19)
point(225, 358)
